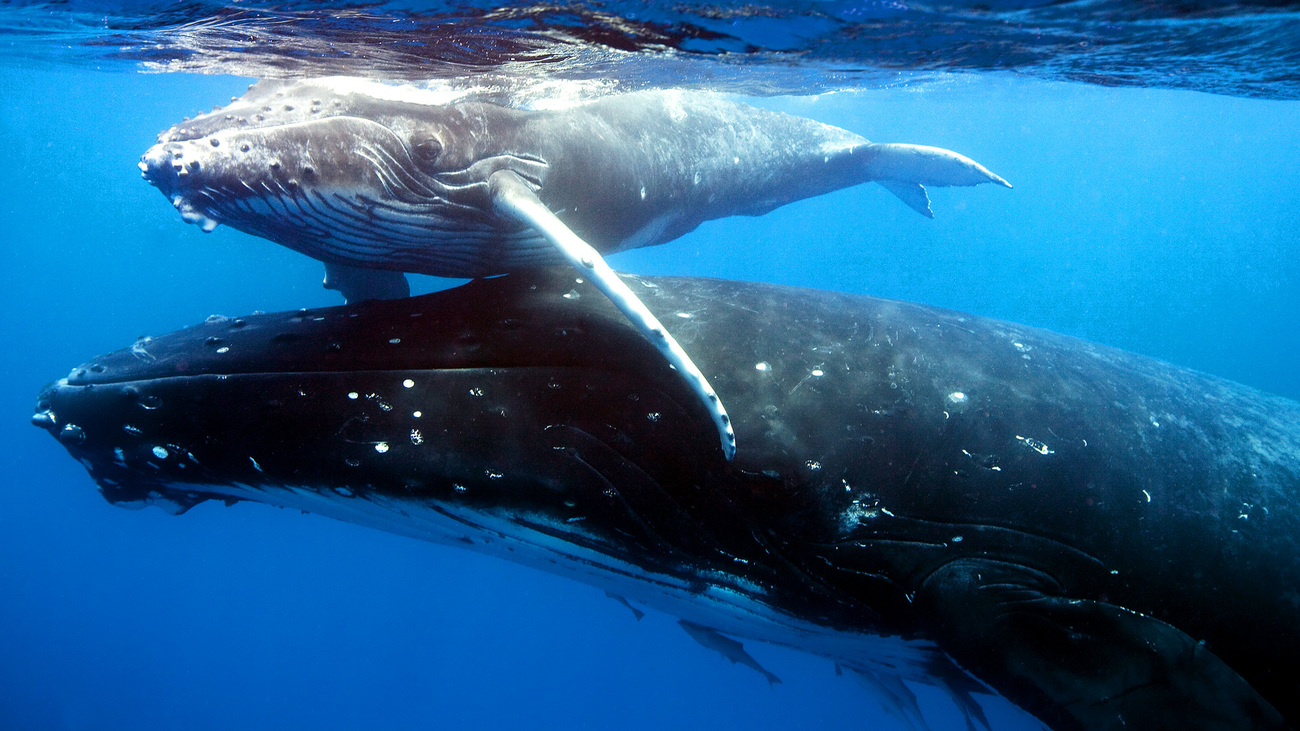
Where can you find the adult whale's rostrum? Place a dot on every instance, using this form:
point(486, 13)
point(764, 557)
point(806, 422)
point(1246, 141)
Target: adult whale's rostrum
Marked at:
point(376, 180)
point(1106, 540)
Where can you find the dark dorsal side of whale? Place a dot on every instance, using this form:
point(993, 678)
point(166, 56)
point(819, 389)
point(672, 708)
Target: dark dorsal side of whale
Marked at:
point(1107, 540)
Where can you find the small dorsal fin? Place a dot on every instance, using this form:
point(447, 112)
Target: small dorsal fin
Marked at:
point(357, 284)
point(913, 194)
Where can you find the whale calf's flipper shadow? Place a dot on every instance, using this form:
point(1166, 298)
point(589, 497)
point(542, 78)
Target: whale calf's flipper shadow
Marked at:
point(512, 196)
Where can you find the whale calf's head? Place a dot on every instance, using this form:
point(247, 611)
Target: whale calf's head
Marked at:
point(352, 172)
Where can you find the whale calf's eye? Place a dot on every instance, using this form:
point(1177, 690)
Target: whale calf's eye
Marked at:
point(426, 149)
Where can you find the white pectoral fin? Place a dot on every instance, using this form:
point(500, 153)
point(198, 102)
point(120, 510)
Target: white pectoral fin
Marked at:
point(904, 169)
point(513, 197)
point(357, 284)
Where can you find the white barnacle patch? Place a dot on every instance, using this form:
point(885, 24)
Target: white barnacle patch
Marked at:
point(394, 341)
point(653, 416)
point(643, 192)
point(223, 349)
point(476, 391)
point(417, 414)
point(813, 465)
point(160, 452)
point(1035, 445)
point(817, 373)
point(572, 295)
point(493, 475)
point(762, 366)
point(957, 397)
point(354, 395)
point(416, 437)
point(381, 447)
point(131, 429)
point(408, 383)
point(685, 315)
point(857, 514)
point(139, 350)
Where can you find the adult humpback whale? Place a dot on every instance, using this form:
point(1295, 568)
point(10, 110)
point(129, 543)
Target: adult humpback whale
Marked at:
point(1106, 540)
point(376, 180)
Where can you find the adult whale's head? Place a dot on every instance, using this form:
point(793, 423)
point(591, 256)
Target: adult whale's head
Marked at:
point(1106, 540)
point(345, 170)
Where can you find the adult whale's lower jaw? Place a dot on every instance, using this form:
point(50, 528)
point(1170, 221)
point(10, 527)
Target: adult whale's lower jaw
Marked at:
point(1103, 539)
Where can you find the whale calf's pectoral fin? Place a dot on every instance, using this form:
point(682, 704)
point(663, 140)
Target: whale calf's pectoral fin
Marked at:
point(913, 194)
point(725, 646)
point(1079, 663)
point(356, 284)
point(514, 197)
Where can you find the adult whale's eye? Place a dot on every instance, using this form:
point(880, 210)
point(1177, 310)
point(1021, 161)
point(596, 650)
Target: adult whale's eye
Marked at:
point(426, 149)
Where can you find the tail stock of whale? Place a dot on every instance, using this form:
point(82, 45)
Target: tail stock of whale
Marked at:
point(905, 170)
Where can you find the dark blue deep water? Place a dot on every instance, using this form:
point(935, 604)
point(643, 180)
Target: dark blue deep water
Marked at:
point(1156, 217)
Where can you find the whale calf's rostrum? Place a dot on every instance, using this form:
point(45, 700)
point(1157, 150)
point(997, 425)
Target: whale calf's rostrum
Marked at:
point(1107, 541)
point(376, 180)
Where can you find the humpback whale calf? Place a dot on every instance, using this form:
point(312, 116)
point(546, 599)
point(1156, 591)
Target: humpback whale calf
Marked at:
point(376, 180)
point(1105, 540)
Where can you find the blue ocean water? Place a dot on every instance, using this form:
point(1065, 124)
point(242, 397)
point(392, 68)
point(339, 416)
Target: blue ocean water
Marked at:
point(1160, 221)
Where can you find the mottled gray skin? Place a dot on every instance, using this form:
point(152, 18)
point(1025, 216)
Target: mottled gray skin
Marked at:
point(362, 175)
point(1108, 541)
